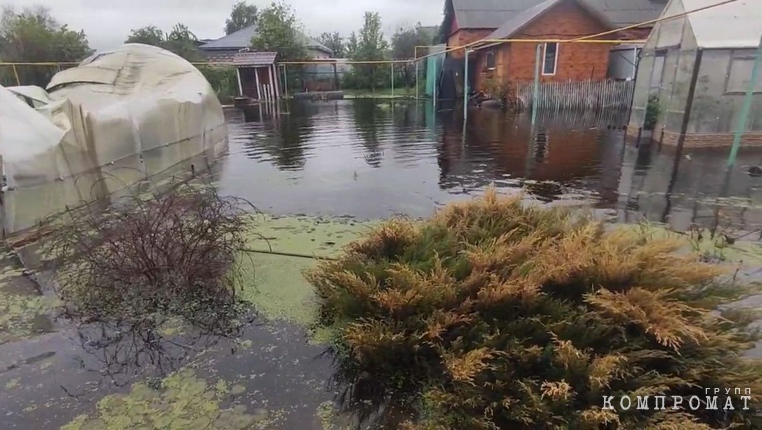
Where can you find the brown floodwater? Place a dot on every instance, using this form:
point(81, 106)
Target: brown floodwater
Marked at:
point(371, 159)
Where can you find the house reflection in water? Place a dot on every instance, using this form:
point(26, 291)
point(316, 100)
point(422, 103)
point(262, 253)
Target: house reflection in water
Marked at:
point(371, 159)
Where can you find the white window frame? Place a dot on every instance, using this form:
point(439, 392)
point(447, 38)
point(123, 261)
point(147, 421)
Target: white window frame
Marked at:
point(545, 56)
point(486, 61)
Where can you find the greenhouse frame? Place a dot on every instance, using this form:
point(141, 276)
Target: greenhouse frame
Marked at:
point(695, 71)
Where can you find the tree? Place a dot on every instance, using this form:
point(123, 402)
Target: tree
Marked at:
point(335, 43)
point(280, 31)
point(149, 35)
point(352, 46)
point(242, 16)
point(180, 40)
point(371, 46)
point(34, 36)
point(404, 41)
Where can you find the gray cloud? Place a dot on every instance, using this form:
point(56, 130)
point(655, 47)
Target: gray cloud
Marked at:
point(108, 22)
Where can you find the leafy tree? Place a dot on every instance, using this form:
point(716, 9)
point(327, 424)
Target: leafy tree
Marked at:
point(242, 16)
point(352, 46)
point(335, 43)
point(149, 35)
point(370, 46)
point(371, 43)
point(34, 36)
point(404, 41)
point(182, 42)
point(280, 31)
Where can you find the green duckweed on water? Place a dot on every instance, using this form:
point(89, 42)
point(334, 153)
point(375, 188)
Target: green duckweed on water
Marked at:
point(183, 401)
point(274, 283)
point(23, 311)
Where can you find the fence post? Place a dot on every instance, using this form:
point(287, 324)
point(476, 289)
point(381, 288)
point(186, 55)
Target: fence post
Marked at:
point(465, 92)
point(392, 68)
point(416, 78)
point(16, 72)
point(742, 120)
point(536, 89)
point(240, 86)
point(285, 80)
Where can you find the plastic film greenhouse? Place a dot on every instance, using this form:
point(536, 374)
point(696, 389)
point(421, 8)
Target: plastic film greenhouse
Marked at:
point(700, 65)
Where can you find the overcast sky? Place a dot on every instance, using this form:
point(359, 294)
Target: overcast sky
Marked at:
point(108, 22)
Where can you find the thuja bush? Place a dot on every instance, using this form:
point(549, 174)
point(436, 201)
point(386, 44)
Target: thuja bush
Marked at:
point(151, 257)
point(495, 314)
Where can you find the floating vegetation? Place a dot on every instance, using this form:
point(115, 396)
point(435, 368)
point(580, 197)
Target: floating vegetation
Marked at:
point(22, 308)
point(150, 258)
point(183, 401)
point(274, 283)
point(494, 314)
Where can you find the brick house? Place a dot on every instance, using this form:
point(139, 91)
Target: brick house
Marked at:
point(468, 21)
point(552, 19)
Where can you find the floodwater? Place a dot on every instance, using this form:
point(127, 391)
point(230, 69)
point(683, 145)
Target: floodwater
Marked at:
point(370, 159)
point(319, 169)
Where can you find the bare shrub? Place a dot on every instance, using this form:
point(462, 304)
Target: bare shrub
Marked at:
point(170, 254)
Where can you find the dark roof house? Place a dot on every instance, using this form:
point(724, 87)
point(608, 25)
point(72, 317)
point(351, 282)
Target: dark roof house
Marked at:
point(224, 48)
point(491, 14)
point(469, 20)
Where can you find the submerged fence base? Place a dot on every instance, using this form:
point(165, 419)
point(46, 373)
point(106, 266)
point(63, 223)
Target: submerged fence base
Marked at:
point(576, 95)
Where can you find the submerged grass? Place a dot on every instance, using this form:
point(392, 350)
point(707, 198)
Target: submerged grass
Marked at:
point(494, 314)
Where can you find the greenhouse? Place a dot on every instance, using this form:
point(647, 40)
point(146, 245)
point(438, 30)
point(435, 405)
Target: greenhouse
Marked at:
point(694, 72)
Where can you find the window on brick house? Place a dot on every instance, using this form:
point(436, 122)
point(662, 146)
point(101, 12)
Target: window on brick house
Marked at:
point(490, 60)
point(550, 59)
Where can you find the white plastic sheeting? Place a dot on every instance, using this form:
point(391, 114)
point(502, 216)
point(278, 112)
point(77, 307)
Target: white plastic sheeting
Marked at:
point(732, 25)
point(119, 118)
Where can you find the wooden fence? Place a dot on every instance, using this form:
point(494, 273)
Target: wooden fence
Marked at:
point(586, 95)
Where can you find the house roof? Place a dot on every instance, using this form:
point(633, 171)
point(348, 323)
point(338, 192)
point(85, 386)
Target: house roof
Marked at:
point(241, 39)
point(523, 18)
point(492, 14)
point(733, 25)
point(488, 13)
point(250, 59)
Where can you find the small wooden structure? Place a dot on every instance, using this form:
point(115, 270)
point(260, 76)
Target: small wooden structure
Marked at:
point(257, 74)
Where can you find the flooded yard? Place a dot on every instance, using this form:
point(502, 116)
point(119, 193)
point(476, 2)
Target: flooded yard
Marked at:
point(368, 160)
point(324, 173)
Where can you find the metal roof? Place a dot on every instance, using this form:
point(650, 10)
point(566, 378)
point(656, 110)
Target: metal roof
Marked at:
point(523, 18)
point(492, 14)
point(241, 39)
point(733, 25)
point(488, 13)
point(251, 59)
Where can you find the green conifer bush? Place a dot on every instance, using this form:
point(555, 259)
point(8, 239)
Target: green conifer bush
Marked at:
point(495, 314)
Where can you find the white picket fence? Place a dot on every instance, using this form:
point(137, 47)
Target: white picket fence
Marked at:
point(573, 95)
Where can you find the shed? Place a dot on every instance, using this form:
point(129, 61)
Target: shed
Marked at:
point(257, 75)
point(695, 71)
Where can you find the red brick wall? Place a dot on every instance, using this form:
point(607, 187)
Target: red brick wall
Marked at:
point(463, 37)
point(568, 20)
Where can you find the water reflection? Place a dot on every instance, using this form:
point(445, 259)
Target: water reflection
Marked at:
point(283, 136)
point(372, 159)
